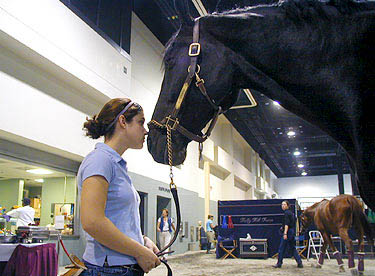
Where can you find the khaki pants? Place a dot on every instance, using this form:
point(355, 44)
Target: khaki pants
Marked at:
point(164, 239)
point(210, 236)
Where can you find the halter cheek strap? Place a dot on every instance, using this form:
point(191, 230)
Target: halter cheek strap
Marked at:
point(171, 121)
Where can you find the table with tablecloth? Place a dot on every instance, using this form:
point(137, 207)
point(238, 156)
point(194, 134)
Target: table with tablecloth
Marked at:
point(33, 259)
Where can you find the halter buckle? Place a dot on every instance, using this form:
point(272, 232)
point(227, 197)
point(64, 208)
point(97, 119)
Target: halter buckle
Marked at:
point(199, 80)
point(174, 121)
point(194, 49)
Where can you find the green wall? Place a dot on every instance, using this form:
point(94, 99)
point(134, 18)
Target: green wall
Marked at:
point(53, 192)
point(9, 193)
point(34, 191)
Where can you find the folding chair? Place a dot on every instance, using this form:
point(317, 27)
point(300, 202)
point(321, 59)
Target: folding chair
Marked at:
point(315, 243)
point(301, 245)
point(228, 246)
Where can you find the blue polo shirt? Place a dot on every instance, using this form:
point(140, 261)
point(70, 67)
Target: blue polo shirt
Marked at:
point(208, 225)
point(122, 206)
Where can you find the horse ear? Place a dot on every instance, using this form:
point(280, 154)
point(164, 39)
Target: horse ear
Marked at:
point(183, 12)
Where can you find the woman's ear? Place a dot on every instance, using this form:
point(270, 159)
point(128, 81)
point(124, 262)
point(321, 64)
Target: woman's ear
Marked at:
point(122, 121)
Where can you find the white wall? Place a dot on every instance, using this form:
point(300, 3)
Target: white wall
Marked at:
point(311, 189)
point(55, 70)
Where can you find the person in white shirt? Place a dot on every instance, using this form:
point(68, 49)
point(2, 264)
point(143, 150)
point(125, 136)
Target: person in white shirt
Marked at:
point(24, 215)
point(165, 225)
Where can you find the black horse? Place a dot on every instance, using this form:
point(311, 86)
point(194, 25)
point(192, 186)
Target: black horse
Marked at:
point(315, 58)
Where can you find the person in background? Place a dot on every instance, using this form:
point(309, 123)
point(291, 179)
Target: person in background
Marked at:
point(202, 237)
point(109, 202)
point(210, 232)
point(24, 215)
point(287, 239)
point(164, 227)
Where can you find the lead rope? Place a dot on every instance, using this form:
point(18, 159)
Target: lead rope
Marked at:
point(173, 189)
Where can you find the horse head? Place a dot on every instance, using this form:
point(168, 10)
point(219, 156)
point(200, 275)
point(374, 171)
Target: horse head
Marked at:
point(280, 50)
point(215, 69)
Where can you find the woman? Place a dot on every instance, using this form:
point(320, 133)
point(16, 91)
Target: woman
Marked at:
point(164, 228)
point(287, 239)
point(109, 201)
point(210, 232)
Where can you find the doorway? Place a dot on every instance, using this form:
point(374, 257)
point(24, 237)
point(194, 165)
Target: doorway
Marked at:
point(162, 203)
point(142, 207)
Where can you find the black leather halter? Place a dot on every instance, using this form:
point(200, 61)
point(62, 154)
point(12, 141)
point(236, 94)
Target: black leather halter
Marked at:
point(172, 120)
point(171, 123)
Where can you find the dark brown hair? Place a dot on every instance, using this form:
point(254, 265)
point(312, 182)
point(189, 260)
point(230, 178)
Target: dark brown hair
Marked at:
point(98, 124)
point(287, 203)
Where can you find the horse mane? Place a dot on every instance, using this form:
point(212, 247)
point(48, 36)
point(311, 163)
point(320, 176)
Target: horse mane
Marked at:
point(309, 9)
point(311, 209)
point(295, 10)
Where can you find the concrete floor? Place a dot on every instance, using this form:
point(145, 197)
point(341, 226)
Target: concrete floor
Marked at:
point(197, 263)
point(201, 264)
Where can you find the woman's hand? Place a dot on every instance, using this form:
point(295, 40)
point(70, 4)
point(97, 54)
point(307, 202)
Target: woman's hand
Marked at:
point(150, 244)
point(147, 260)
point(285, 236)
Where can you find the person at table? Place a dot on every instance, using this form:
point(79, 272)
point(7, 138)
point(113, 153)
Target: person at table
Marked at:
point(24, 215)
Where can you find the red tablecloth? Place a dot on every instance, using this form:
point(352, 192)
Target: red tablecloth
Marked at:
point(33, 261)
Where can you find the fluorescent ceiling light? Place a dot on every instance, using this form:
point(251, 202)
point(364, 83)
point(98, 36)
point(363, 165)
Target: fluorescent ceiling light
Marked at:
point(296, 153)
point(301, 165)
point(40, 180)
point(39, 171)
point(291, 133)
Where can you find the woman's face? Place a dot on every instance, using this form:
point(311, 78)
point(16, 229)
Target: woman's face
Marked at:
point(284, 206)
point(165, 213)
point(136, 132)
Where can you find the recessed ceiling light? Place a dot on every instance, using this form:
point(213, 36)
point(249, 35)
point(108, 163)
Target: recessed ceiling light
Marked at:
point(291, 133)
point(301, 165)
point(296, 153)
point(276, 103)
point(39, 171)
point(304, 173)
point(40, 180)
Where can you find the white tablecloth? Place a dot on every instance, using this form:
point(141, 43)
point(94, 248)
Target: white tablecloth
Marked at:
point(6, 249)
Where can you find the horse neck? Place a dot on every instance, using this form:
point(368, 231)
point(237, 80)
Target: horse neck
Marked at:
point(310, 211)
point(282, 47)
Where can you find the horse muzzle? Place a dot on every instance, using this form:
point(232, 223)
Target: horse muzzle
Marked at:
point(157, 146)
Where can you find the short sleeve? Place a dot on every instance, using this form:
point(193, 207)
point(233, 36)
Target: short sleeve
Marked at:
point(97, 165)
point(159, 220)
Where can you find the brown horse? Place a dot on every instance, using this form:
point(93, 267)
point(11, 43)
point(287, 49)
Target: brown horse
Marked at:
point(337, 216)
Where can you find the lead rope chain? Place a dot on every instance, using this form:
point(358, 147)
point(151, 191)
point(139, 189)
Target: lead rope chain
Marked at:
point(169, 148)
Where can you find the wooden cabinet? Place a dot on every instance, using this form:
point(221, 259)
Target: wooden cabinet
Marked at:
point(35, 203)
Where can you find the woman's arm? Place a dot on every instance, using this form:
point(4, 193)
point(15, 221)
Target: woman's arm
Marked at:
point(158, 226)
point(95, 223)
point(173, 227)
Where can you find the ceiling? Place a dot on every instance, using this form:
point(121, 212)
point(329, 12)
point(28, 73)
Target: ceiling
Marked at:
point(11, 169)
point(265, 126)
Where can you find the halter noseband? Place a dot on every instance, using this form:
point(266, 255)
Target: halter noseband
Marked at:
point(171, 121)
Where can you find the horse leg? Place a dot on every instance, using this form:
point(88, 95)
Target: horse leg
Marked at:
point(361, 252)
point(322, 251)
point(336, 253)
point(343, 232)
